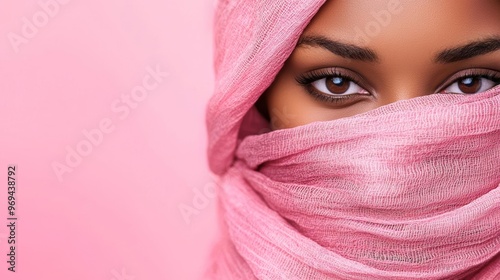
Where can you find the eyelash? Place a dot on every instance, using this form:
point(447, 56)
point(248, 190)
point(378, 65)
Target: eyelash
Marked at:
point(482, 73)
point(307, 79)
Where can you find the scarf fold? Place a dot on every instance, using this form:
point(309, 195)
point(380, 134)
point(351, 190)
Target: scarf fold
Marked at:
point(410, 190)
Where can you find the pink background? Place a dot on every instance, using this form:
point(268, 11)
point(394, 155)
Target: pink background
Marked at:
point(112, 214)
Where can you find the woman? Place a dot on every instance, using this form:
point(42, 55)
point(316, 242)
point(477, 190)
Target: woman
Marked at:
point(357, 139)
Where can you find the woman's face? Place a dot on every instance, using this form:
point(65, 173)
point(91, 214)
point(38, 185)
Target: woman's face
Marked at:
point(355, 56)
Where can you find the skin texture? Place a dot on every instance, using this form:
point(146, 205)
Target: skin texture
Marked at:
point(405, 36)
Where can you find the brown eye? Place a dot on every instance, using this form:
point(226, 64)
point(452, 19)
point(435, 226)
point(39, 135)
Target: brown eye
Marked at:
point(337, 85)
point(470, 84)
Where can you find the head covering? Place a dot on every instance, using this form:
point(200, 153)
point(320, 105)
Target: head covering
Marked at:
point(253, 39)
point(410, 190)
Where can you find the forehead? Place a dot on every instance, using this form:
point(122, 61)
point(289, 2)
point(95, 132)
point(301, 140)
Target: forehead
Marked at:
point(397, 24)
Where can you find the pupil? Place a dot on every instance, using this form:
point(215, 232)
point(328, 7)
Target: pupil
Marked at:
point(337, 85)
point(470, 84)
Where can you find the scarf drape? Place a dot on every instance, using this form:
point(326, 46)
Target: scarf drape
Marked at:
point(410, 190)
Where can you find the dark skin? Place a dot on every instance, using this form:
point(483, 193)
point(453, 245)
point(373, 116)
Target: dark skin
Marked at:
point(347, 62)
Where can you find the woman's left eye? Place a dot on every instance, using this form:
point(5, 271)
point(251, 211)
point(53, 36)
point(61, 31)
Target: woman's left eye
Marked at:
point(337, 85)
point(471, 85)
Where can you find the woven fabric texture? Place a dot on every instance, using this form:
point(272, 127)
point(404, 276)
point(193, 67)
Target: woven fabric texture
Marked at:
point(410, 190)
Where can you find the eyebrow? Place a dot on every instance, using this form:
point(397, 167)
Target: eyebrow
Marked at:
point(344, 50)
point(469, 50)
point(454, 54)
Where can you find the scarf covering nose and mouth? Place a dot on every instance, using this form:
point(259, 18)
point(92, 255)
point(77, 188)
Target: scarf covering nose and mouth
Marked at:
point(410, 190)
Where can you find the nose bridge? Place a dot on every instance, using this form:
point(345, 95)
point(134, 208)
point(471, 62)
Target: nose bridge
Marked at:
point(402, 94)
point(400, 80)
point(403, 88)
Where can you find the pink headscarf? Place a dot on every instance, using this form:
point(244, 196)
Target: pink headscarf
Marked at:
point(410, 190)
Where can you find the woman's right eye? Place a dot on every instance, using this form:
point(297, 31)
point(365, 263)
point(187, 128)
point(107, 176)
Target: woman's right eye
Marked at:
point(337, 85)
point(333, 85)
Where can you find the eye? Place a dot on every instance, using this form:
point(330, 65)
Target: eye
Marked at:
point(470, 85)
point(473, 82)
point(337, 85)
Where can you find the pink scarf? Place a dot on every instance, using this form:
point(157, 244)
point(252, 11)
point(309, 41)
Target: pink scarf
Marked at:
point(410, 190)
